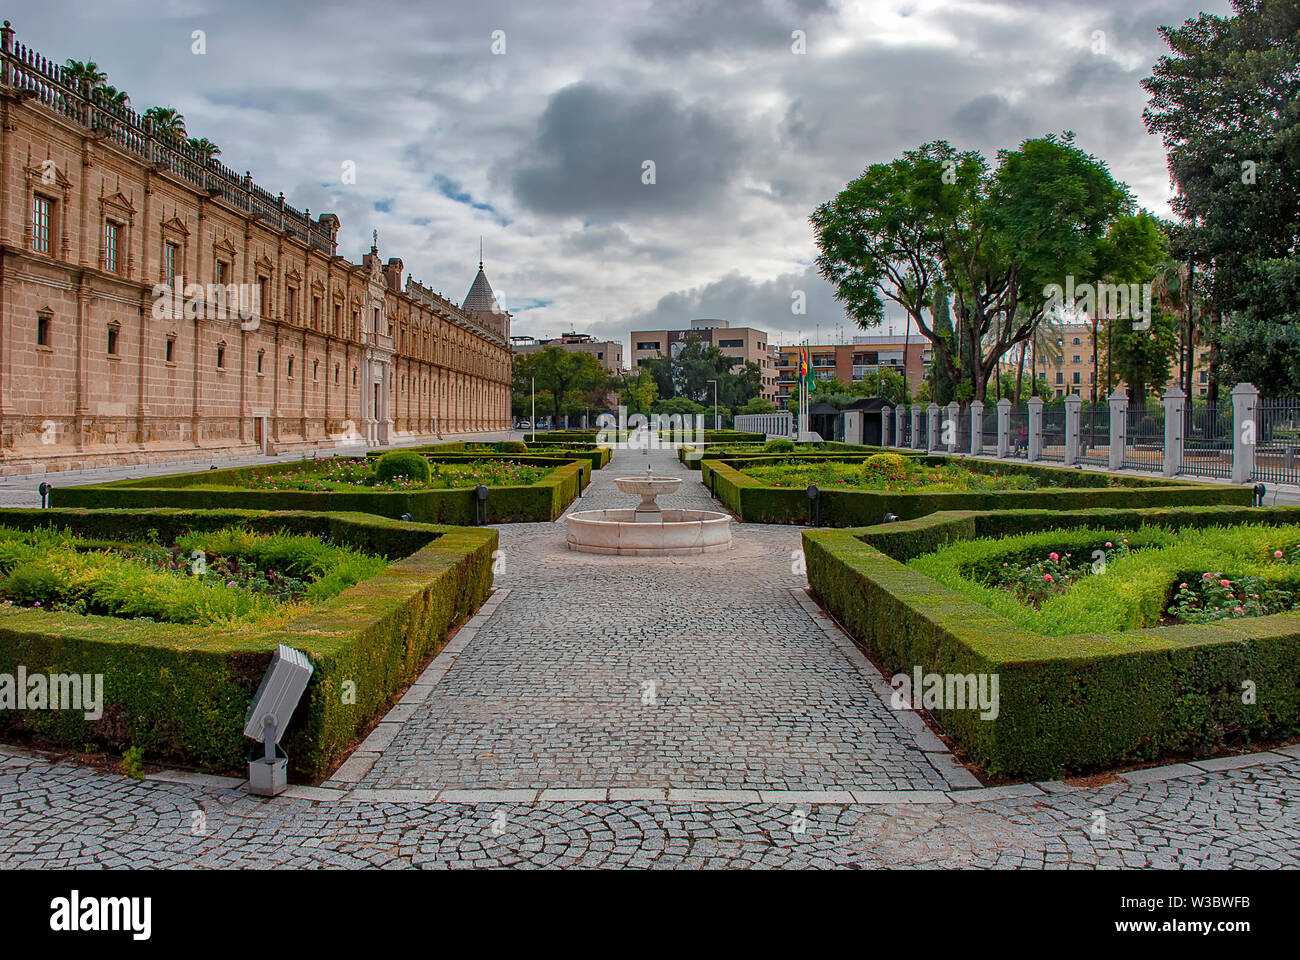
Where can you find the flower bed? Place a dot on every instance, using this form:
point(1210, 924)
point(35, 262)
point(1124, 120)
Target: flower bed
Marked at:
point(1090, 678)
point(987, 485)
point(551, 484)
point(179, 690)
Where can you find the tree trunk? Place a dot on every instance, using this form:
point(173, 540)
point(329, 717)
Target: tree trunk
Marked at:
point(1020, 374)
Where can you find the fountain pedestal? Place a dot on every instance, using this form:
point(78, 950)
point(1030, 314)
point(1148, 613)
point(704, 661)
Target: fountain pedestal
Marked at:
point(648, 531)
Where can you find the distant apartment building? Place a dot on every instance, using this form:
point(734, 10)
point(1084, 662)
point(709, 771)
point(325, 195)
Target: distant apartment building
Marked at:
point(1081, 369)
point(847, 362)
point(746, 344)
point(608, 352)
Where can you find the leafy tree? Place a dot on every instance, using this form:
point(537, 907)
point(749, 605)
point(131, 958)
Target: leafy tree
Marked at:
point(1224, 102)
point(638, 392)
point(560, 374)
point(995, 238)
point(756, 405)
point(688, 374)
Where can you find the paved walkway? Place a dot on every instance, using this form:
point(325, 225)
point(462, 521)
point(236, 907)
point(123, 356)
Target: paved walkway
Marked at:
point(685, 712)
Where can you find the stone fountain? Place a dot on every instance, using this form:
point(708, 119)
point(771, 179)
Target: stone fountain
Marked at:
point(648, 530)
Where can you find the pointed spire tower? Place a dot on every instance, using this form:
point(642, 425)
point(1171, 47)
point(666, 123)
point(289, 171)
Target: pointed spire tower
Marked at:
point(482, 302)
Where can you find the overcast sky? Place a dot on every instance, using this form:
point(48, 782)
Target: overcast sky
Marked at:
point(540, 147)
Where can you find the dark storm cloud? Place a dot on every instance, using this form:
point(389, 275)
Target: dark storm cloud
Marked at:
point(681, 28)
point(588, 155)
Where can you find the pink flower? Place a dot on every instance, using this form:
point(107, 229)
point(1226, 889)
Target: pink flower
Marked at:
point(1053, 556)
point(1206, 576)
point(1047, 577)
point(1182, 586)
point(1238, 609)
point(1109, 544)
point(1223, 583)
point(1277, 554)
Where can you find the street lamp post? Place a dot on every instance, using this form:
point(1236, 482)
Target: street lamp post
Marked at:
point(532, 421)
point(715, 404)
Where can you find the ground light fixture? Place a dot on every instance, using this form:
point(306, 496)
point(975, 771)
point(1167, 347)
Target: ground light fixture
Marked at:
point(44, 490)
point(1260, 490)
point(268, 716)
point(480, 504)
point(814, 505)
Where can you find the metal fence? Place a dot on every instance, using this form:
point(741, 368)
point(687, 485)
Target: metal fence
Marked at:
point(1207, 440)
point(1054, 433)
point(904, 439)
point(923, 432)
point(1020, 432)
point(963, 432)
point(989, 431)
point(1277, 440)
point(1144, 445)
point(1094, 434)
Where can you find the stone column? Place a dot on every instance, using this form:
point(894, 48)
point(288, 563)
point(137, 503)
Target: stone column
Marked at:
point(1245, 427)
point(1073, 410)
point(916, 426)
point(950, 425)
point(977, 426)
point(1175, 406)
point(931, 427)
point(886, 421)
point(900, 412)
point(1118, 427)
point(1004, 428)
point(1035, 428)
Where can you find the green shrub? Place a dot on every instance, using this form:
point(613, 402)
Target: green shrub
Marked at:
point(779, 445)
point(512, 446)
point(179, 692)
point(1068, 703)
point(402, 463)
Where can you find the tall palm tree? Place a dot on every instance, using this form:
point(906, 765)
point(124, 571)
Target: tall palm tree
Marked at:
point(205, 147)
point(1046, 344)
point(86, 75)
point(168, 123)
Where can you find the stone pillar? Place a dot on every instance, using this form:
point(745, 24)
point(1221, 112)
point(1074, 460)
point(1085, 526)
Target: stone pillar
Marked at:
point(950, 425)
point(1118, 427)
point(916, 426)
point(1004, 428)
point(886, 421)
point(931, 427)
point(900, 412)
point(1245, 427)
point(1175, 406)
point(1035, 428)
point(1073, 410)
point(977, 426)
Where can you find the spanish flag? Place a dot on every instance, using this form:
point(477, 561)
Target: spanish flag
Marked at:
point(804, 364)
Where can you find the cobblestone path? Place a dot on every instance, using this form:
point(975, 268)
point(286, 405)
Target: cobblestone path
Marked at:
point(683, 712)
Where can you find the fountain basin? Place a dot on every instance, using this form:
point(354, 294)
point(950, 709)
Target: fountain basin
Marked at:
point(618, 532)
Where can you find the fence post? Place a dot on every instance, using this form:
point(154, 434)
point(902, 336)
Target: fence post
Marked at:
point(1004, 428)
point(1175, 404)
point(900, 412)
point(931, 427)
point(916, 425)
point(1245, 430)
point(1073, 409)
point(1035, 428)
point(950, 425)
point(977, 427)
point(1118, 427)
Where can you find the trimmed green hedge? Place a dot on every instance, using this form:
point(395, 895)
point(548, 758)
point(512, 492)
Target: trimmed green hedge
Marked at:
point(1079, 490)
point(543, 501)
point(180, 693)
point(1068, 704)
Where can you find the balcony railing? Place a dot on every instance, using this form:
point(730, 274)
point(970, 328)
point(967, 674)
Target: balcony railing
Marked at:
point(36, 78)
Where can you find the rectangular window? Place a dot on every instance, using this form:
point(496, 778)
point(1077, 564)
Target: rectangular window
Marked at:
point(1078, 377)
point(263, 297)
point(290, 303)
point(648, 345)
point(169, 264)
point(260, 355)
point(42, 331)
point(1075, 359)
point(112, 342)
point(41, 217)
point(315, 313)
point(112, 245)
point(338, 319)
point(171, 344)
point(219, 270)
point(221, 357)
point(1060, 376)
point(731, 343)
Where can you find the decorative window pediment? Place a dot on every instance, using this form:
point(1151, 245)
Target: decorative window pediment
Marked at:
point(264, 265)
point(225, 250)
point(118, 206)
point(293, 277)
point(46, 174)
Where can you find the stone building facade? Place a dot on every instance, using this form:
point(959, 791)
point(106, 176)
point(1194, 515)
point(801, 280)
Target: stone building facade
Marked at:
point(156, 305)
